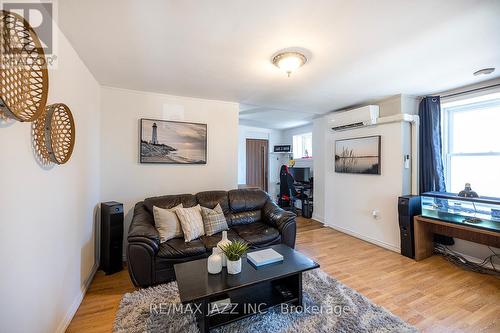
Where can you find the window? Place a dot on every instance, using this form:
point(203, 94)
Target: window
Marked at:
point(471, 144)
point(302, 146)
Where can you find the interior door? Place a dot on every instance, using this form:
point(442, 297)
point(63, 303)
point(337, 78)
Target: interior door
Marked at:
point(257, 163)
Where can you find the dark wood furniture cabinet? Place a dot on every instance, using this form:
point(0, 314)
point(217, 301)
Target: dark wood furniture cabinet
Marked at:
point(251, 291)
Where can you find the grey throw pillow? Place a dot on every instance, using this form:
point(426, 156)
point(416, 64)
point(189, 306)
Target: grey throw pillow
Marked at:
point(213, 220)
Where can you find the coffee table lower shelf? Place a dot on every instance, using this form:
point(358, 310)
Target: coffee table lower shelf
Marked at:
point(251, 300)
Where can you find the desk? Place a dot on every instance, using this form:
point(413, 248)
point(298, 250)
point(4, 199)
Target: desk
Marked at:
point(425, 228)
point(303, 186)
point(305, 192)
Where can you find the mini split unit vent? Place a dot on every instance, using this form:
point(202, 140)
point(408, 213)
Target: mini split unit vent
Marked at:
point(365, 116)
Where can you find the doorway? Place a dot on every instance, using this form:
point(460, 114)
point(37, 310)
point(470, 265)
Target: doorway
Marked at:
point(257, 161)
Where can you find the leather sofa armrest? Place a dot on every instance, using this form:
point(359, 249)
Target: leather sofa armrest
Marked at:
point(283, 220)
point(143, 244)
point(142, 229)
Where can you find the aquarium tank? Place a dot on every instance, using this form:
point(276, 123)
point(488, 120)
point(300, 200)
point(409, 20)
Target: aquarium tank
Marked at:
point(481, 212)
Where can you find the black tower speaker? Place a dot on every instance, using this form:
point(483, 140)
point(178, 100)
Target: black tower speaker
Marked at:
point(111, 237)
point(408, 207)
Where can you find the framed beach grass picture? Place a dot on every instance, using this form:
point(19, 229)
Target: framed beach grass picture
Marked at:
point(358, 155)
point(172, 142)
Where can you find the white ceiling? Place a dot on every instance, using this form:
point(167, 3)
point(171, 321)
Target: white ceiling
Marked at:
point(252, 115)
point(358, 50)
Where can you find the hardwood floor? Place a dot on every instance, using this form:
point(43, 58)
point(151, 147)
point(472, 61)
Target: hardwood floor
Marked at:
point(432, 294)
point(98, 308)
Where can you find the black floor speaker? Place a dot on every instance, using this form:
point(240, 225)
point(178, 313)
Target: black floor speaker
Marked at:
point(111, 237)
point(408, 207)
point(307, 209)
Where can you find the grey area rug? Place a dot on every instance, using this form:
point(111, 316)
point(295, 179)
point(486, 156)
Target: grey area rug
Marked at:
point(329, 306)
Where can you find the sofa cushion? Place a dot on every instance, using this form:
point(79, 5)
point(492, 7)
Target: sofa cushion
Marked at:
point(243, 200)
point(169, 201)
point(214, 220)
point(257, 233)
point(167, 223)
point(211, 241)
point(177, 248)
point(210, 199)
point(245, 217)
point(191, 222)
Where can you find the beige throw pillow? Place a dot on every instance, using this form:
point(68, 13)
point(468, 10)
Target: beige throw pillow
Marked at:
point(191, 222)
point(167, 223)
point(213, 220)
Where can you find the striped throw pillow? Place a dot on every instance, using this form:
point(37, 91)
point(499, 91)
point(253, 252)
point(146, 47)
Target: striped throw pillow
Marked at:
point(191, 222)
point(213, 220)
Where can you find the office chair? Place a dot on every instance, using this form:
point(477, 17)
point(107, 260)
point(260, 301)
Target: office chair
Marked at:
point(286, 197)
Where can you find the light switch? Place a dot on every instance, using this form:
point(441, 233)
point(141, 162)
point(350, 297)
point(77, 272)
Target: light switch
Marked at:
point(407, 161)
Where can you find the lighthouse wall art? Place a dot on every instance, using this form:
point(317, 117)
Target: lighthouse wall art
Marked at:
point(172, 142)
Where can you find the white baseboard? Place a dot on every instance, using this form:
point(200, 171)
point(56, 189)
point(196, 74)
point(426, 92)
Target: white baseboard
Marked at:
point(365, 238)
point(318, 218)
point(78, 300)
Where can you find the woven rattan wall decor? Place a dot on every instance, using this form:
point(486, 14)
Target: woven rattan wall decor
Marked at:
point(54, 134)
point(24, 77)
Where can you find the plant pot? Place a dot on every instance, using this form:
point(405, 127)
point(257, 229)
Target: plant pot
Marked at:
point(234, 267)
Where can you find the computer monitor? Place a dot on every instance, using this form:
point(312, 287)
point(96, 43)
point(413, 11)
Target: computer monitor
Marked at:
point(301, 175)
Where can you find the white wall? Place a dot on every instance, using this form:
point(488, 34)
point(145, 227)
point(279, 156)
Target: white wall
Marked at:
point(350, 199)
point(46, 215)
point(287, 138)
point(346, 202)
point(275, 137)
point(320, 156)
point(289, 133)
point(275, 160)
point(125, 180)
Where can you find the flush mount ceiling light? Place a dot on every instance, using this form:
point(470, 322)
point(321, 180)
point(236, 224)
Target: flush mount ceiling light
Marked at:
point(484, 71)
point(289, 61)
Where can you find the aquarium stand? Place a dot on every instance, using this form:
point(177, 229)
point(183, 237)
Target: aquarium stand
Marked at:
point(425, 228)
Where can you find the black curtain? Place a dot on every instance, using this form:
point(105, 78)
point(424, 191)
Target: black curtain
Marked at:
point(431, 159)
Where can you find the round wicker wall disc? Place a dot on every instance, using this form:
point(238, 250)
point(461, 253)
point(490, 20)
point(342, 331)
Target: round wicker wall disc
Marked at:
point(24, 79)
point(54, 134)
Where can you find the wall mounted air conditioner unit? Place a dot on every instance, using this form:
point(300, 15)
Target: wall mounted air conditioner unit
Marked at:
point(360, 117)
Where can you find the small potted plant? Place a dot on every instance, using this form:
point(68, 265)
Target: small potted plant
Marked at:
point(234, 252)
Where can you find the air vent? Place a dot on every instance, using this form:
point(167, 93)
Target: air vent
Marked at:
point(349, 126)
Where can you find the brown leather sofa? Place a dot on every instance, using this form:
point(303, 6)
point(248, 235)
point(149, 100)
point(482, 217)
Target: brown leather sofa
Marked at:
point(251, 216)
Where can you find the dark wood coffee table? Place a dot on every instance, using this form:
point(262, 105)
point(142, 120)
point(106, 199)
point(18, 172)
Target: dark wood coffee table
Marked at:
point(252, 291)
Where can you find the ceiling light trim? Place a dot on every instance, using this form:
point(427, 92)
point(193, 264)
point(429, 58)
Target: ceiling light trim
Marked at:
point(484, 71)
point(289, 54)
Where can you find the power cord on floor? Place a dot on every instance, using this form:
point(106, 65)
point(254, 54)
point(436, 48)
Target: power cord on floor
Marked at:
point(460, 260)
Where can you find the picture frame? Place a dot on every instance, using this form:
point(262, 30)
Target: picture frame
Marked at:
point(172, 142)
point(361, 155)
